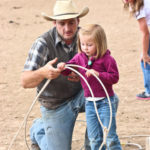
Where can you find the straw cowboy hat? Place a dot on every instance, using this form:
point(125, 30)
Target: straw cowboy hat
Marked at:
point(65, 9)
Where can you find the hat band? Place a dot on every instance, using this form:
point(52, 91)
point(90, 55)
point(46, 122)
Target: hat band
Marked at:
point(66, 14)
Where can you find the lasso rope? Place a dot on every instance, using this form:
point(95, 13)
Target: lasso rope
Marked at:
point(105, 130)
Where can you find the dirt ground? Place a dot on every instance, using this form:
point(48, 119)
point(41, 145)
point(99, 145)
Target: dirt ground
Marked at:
point(21, 23)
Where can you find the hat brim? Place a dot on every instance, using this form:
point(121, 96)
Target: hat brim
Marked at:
point(66, 16)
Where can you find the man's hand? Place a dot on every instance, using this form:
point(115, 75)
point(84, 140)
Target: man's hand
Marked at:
point(31, 79)
point(73, 77)
point(49, 71)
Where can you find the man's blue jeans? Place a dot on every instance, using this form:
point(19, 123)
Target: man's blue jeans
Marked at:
point(94, 129)
point(54, 130)
point(146, 74)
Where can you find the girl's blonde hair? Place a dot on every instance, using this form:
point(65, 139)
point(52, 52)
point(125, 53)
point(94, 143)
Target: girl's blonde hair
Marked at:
point(135, 7)
point(97, 34)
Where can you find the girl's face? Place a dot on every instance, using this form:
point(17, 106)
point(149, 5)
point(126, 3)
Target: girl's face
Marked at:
point(128, 1)
point(88, 46)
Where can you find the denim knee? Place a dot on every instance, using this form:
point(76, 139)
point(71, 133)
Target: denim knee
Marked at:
point(36, 129)
point(95, 143)
point(113, 144)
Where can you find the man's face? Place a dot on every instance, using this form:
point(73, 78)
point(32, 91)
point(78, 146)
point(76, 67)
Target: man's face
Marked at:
point(67, 28)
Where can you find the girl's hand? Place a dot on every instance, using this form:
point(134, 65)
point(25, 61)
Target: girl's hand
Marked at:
point(125, 1)
point(146, 59)
point(61, 66)
point(90, 72)
point(73, 77)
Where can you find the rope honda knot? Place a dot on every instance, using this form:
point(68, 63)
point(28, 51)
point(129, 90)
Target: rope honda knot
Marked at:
point(105, 133)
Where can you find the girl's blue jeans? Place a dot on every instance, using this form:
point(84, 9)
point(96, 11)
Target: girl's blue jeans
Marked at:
point(94, 129)
point(54, 130)
point(146, 74)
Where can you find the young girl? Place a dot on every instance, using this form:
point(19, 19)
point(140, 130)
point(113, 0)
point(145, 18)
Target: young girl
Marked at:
point(141, 10)
point(94, 55)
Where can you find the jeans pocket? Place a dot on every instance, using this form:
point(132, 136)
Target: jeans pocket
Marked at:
point(113, 104)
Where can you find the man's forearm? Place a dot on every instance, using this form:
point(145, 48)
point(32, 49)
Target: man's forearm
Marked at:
point(31, 79)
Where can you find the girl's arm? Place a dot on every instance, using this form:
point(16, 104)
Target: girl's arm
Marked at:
point(111, 75)
point(145, 40)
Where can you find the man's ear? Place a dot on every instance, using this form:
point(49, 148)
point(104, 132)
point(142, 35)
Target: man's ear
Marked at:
point(54, 22)
point(78, 20)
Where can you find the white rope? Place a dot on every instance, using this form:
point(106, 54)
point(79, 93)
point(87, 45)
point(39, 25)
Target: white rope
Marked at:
point(26, 117)
point(105, 130)
point(134, 144)
point(133, 136)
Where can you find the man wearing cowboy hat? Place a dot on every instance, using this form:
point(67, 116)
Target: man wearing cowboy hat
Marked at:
point(62, 99)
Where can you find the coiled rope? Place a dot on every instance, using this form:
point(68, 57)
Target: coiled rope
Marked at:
point(105, 129)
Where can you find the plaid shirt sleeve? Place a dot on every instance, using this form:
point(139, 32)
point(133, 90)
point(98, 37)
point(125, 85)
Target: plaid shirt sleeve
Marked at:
point(37, 56)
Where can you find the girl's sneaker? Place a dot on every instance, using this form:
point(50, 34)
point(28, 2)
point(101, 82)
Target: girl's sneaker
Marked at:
point(143, 96)
point(34, 146)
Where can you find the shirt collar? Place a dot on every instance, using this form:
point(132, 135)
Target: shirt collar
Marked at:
point(58, 38)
